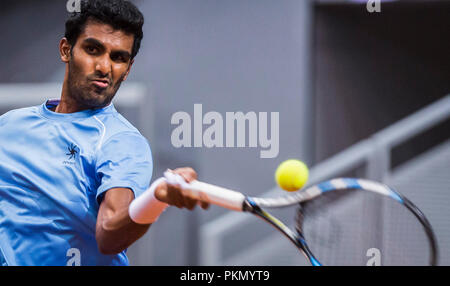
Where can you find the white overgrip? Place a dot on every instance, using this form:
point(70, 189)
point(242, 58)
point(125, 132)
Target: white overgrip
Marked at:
point(218, 196)
point(210, 193)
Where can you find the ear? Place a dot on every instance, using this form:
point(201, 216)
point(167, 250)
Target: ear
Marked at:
point(128, 69)
point(64, 50)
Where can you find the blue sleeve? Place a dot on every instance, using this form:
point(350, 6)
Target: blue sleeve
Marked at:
point(124, 161)
point(3, 118)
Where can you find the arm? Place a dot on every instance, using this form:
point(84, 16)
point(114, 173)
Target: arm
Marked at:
point(115, 231)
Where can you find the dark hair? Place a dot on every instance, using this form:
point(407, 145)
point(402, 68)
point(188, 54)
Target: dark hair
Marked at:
point(120, 14)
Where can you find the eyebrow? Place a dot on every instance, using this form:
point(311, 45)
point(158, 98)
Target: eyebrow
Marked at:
point(97, 43)
point(94, 42)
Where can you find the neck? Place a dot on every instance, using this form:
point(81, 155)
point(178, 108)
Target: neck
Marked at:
point(67, 104)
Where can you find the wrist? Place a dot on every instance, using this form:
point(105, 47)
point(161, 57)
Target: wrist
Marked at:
point(147, 208)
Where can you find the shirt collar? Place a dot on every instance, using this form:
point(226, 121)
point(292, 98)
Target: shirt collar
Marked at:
point(52, 103)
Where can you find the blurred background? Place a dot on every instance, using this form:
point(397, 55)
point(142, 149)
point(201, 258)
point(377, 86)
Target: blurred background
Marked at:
point(358, 93)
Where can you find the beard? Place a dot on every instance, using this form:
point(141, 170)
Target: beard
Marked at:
point(86, 94)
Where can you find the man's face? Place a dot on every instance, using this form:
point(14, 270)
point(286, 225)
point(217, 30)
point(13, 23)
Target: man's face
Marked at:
point(99, 62)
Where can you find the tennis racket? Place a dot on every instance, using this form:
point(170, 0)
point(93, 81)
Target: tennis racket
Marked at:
point(344, 221)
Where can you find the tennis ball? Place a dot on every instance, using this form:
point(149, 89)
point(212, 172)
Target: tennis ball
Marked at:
point(291, 175)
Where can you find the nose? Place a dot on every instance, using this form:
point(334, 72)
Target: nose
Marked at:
point(103, 66)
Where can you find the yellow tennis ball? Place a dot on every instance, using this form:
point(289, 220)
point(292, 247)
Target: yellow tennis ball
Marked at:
point(291, 175)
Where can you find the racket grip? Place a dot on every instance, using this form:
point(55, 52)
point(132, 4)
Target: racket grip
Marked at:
point(219, 196)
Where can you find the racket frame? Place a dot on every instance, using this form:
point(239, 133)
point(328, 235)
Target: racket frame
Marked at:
point(236, 201)
point(254, 205)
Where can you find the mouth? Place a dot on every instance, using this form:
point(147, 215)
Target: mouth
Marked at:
point(100, 83)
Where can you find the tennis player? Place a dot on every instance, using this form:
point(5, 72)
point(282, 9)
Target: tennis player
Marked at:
point(74, 173)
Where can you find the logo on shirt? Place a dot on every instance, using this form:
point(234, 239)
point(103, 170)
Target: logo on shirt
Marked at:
point(72, 152)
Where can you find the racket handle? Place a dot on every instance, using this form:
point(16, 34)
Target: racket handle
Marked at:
point(209, 193)
point(218, 196)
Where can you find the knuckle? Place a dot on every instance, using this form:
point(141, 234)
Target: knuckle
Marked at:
point(189, 170)
point(192, 172)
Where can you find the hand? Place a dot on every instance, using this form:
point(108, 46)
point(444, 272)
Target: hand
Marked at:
point(177, 196)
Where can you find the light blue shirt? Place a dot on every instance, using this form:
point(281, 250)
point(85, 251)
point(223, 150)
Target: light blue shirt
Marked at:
point(54, 169)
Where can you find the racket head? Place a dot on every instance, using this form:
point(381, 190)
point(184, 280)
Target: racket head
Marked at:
point(295, 237)
point(359, 222)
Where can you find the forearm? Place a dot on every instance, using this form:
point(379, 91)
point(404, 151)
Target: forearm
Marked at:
point(118, 231)
point(122, 219)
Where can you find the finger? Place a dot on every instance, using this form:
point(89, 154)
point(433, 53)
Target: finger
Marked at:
point(184, 198)
point(189, 201)
point(161, 192)
point(192, 174)
point(175, 196)
point(204, 205)
point(187, 173)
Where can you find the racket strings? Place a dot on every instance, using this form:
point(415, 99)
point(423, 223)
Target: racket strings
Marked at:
point(400, 224)
point(346, 227)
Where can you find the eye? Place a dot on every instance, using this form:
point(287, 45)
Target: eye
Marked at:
point(119, 58)
point(91, 49)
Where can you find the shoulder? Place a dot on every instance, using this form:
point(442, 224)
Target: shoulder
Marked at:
point(19, 115)
point(118, 131)
point(114, 123)
point(21, 112)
